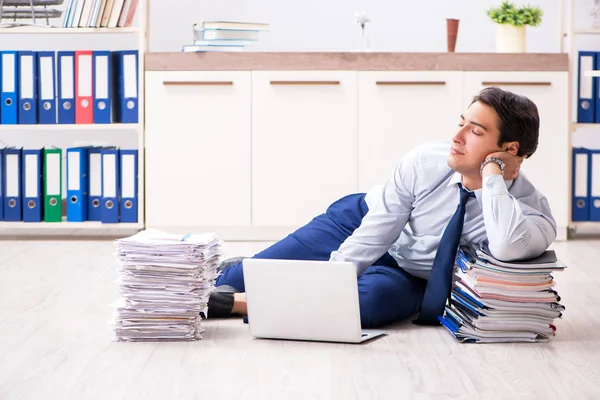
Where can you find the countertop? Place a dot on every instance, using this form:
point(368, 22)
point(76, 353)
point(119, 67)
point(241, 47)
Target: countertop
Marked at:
point(366, 61)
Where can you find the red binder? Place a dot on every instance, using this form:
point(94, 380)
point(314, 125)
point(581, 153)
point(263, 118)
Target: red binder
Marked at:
point(84, 87)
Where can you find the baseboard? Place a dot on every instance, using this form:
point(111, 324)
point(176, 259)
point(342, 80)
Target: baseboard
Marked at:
point(91, 230)
point(562, 234)
point(235, 233)
point(584, 230)
point(267, 233)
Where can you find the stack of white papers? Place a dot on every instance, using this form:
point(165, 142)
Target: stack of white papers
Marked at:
point(164, 283)
point(496, 301)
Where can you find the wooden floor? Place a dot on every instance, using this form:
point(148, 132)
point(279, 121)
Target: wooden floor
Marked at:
point(55, 344)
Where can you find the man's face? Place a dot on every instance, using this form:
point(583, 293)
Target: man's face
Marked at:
point(476, 138)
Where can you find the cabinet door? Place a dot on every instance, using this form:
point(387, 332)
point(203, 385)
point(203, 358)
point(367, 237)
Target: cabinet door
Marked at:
point(399, 110)
point(198, 149)
point(303, 143)
point(548, 168)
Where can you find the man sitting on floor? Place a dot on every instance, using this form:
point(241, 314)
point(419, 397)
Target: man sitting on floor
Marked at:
point(403, 236)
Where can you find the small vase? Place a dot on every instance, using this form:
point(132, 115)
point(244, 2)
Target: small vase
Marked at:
point(510, 39)
point(451, 33)
point(361, 40)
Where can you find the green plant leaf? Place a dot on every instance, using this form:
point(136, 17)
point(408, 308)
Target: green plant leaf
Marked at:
point(508, 13)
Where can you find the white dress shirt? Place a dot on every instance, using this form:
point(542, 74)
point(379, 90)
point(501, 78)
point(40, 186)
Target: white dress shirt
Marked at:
point(408, 214)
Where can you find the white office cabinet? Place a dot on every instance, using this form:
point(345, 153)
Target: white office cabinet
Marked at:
point(198, 149)
point(304, 143)
point(548, 167)
point(399, 110)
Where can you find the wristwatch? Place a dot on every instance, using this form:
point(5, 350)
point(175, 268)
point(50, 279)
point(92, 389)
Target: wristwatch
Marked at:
point(494, 160)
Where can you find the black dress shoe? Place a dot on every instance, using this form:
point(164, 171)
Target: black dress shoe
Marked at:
point(220, 302)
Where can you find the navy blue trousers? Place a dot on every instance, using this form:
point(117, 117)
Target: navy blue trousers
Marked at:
point(387, 293)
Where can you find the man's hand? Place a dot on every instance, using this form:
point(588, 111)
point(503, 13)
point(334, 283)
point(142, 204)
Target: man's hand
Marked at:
point(512, 164)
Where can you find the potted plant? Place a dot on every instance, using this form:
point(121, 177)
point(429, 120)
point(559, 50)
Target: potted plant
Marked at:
point(510, 25)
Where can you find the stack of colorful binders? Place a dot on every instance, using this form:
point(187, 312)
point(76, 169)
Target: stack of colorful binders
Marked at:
point(494, 301)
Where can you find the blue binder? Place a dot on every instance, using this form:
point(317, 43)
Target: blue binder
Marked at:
point(12, 185)
point(77, 184)
point(594, 186)
point(95, 178)
point(33, 192)
point(110, 186)
point(28, 87)
point(125, 89)
point(1, 184)
point(66, 87)
point(129, 185)
point(580, 207)
point(586, 89)
point(46, 66)
point(102, 87)
point(9, 101)
point(596, 91)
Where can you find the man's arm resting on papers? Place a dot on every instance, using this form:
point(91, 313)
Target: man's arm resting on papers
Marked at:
point(513, 233)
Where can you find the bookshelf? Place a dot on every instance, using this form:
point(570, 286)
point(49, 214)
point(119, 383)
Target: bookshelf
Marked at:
point(87, 228)
point(71, 127)
point(26, 30)
point(569, 33)
point(590, 31)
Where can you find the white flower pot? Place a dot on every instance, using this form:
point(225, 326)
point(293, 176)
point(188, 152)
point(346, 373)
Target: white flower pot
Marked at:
point(510, 39)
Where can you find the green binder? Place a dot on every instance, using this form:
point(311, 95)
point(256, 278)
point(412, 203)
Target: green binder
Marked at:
point(53, 185)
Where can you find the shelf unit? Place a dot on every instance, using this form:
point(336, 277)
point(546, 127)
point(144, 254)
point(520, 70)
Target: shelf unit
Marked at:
point(90, 228)
point(569, 32)
point(26, 30)
point(590, 31)
point(71, 127)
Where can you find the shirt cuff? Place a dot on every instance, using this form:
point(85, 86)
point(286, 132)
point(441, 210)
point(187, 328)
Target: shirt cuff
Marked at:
point(336, 256)
point(493, 185)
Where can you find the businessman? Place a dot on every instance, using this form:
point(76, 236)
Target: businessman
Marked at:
point(403, 236)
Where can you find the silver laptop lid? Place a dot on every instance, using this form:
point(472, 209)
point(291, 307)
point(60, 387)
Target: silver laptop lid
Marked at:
point(302, 300)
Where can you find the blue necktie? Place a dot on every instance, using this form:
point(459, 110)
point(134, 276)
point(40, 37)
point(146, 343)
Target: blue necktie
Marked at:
point(440, 279)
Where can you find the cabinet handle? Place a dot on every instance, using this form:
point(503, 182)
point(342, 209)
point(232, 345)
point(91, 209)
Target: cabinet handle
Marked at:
point(196, 83)
point(392, 83)
point(305, 82)
point(516, 83)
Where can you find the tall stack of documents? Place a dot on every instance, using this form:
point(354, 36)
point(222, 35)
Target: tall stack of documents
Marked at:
point(496, 301)
point(164, 284)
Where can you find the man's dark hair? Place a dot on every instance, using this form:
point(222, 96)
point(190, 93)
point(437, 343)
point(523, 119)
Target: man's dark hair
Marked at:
point(519, 118)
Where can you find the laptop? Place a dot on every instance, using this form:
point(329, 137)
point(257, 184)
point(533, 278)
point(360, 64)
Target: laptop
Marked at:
point(304, 300)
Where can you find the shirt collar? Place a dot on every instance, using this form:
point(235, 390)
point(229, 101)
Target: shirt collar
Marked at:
point(457, 178)
point(454, 179)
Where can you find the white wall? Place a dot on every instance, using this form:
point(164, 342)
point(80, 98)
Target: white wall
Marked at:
point(326, 25)
point(399, 25)
point(319, 25)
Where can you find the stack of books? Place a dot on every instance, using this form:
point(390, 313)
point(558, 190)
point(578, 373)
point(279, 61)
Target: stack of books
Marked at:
point(164, 283)
point(225, 36)
point(494, 301)
point(99, 13)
